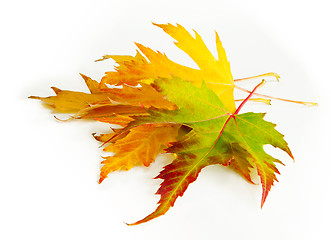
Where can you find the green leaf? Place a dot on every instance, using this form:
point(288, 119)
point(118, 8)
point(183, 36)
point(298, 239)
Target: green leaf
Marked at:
point(216, 137)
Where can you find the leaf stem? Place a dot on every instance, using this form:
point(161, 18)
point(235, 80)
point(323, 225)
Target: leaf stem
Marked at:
point(238, 109)
point(249, 96)
point(271, 74)
point(276, 98)
point(263, 100)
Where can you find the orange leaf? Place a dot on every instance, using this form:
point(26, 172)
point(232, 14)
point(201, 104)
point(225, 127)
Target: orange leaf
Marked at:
point(117, 120)
point(139, 147)
point(145, 96)
point(107, 102)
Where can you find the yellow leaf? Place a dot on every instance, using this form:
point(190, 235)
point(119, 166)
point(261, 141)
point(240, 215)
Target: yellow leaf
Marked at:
point(216, 73)
point(138, 69)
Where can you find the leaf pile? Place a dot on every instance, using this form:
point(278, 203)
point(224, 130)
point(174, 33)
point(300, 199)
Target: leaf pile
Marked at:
point(165, 107)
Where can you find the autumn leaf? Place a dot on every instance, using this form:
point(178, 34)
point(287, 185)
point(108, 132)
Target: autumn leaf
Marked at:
point(117, 119)
point(71, 101)
point(154, 105)
point(105, 103)
point(250, 130)
point(217, 137)
point(216, 73)
point(139, 147)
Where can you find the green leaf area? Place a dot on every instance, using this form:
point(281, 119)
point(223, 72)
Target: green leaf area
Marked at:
point(215, 137)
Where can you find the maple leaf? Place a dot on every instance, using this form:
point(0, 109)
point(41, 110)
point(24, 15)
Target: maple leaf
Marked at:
point(102, 104)
point(71, 101)
point(139, 147)
point(162, 106)
point(217, 137)
point(119, 120)
point(216, 73)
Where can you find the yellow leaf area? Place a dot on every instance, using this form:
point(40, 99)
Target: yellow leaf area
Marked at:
point(215, 72)
point(139, 146)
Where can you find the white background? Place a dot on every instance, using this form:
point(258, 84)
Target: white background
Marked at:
point(49, 169)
